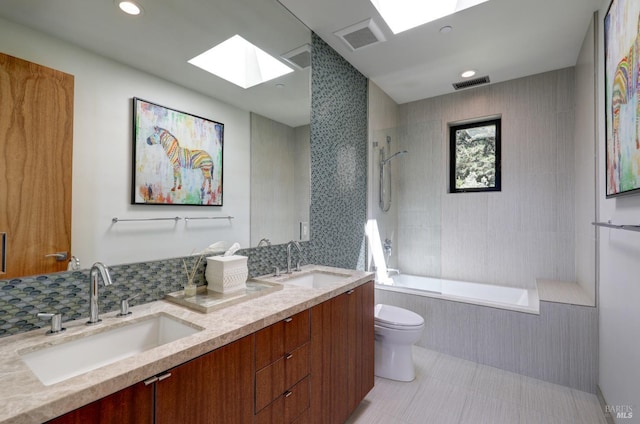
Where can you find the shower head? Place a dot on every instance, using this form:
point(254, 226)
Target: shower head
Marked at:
point(400, 153)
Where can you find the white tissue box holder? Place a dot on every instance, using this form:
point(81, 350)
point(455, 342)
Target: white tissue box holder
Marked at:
point(226, 273)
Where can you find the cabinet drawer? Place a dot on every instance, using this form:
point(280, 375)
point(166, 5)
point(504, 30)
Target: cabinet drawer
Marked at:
point(304, 418)
point(273, 380)
point(291, 407)
point(280, 338)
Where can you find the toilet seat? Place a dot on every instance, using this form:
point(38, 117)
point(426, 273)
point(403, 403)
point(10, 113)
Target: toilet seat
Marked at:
point(397, 318)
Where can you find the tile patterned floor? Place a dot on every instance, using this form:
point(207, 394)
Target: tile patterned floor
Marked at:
point(448, 390)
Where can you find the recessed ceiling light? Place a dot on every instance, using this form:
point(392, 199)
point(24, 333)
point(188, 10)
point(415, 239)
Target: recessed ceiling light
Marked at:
point(446, 29)
point(240, 62)
point(468, 74)
point(129, 7)
point(402, 15)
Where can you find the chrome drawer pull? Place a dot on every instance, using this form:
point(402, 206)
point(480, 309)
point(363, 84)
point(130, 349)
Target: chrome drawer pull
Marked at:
point(150, 381)
point(288, 393)
point(350, 291)
point(288, 356)
point(288, 319)
point(164, 376)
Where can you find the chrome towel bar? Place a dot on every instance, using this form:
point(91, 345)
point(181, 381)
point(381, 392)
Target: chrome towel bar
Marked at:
point(175, 218)
point(617, 226)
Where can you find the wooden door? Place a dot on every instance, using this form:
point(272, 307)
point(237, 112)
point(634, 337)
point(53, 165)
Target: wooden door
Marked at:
point(36, 138)
point(133, 405)
point(215, 388)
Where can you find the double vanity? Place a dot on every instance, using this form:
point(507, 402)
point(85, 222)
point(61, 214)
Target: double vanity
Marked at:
point(299, 354)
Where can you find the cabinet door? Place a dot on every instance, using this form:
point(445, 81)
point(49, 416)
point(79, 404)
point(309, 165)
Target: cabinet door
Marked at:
point(367, 359)
point(329, 366)
point(133, 405)
point(361, 337)
point(214, 388)
point(342, 349)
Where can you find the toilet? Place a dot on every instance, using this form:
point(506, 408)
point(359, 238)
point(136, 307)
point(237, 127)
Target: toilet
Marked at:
point(396, 330)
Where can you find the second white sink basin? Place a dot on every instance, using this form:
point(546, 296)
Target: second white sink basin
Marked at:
point(60, 362)
point(315, 279)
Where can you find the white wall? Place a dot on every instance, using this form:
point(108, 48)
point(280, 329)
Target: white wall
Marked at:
point(585, 164)
point(618, 277)
point(280, 180)
point(102, 157)
point(383, 122)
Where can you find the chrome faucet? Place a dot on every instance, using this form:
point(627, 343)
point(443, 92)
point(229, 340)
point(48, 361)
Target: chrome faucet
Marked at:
point(297, 245)
point(392, 271)
point(97, 269)
point(264, 241)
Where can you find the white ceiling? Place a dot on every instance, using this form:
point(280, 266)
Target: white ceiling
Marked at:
point(170, 32)
point(504, 39)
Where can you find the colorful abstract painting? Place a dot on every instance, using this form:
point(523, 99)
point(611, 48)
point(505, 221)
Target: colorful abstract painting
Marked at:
point(177, 157)
point(622, 63)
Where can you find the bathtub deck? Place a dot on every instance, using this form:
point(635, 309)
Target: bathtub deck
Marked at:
point(563, 292)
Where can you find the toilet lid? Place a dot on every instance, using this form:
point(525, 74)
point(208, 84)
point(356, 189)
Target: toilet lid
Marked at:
point(393, 316)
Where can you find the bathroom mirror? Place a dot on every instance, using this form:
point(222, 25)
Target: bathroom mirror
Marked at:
point(91, 40)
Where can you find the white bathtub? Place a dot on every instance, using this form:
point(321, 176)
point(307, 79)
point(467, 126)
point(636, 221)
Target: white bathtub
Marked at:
point(495, 296)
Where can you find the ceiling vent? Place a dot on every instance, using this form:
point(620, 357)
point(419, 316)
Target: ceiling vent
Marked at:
point(360, 35)
point(471, 83)
point(299, 57)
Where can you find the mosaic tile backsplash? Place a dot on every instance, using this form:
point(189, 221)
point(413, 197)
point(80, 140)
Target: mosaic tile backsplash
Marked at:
point(338, 215)
point(68, 292)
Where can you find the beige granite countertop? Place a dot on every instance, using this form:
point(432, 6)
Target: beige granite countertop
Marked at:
point(26, 400)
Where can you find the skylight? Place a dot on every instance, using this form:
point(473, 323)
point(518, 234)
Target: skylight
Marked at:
point(240, 62)
point(402, 15)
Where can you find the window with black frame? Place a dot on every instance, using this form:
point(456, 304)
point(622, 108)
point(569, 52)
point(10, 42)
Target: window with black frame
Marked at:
point(475, 156)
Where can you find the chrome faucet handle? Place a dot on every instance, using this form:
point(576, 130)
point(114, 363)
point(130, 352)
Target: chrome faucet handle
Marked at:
point(124, 306)
point(297, 268)
point(276, 271)
point(56, 323)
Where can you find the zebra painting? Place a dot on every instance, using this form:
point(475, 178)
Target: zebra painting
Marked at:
point(183, 158)
point(622, 76)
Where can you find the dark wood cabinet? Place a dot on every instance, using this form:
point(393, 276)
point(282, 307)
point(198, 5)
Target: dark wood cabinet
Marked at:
point(342, 349)
point(213, 388)
point(131, 405)
point(313, 367)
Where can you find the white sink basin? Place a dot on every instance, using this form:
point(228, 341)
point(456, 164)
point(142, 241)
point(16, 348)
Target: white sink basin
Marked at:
point(60, 362)
point(315, 279)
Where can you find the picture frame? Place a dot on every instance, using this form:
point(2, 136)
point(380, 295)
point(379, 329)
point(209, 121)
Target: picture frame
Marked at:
point(177, 157)
point(475, 156)
point(622, 89)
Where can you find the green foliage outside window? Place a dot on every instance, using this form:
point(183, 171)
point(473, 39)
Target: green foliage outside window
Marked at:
point(475, 156)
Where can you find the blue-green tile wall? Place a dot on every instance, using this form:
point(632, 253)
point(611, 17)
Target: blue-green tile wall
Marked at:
point(338, 159)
